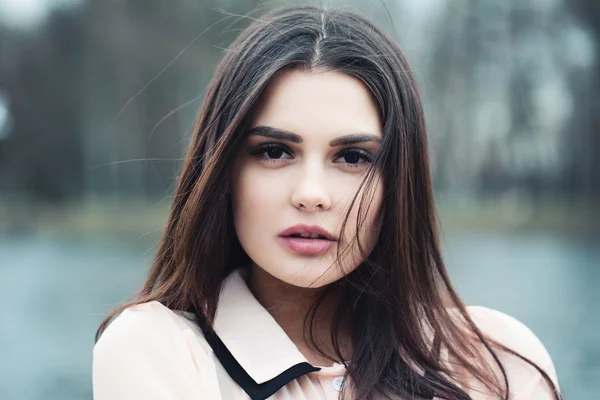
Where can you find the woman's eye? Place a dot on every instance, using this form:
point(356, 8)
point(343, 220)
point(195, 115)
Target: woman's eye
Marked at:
point(354, 157)
point(271, 151)
point(274, 152)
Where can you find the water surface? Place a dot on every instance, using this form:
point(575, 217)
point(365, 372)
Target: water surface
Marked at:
point(55, 292)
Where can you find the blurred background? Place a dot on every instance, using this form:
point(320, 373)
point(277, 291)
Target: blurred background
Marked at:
point(97, 104)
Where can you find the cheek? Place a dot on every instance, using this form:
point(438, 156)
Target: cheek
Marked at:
point(374, 216)
point(254, 199)
point(370, 219)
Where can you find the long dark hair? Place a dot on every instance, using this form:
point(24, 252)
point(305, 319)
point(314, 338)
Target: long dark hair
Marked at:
point(401, 290)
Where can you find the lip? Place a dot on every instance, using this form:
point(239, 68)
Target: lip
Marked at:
point(307, 246)
point(301, 228)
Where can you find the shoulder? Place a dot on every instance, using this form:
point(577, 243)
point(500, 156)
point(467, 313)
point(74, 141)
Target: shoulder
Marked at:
point(519, 338)
point(150, 349)
point(142, 322)
point(142, 316)
point(145, 329)
point(510, 332)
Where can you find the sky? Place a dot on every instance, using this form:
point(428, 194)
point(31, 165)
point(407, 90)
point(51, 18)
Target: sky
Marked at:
point(27, 14)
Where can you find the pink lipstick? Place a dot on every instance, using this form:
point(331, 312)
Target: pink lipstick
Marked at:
point(307, 239)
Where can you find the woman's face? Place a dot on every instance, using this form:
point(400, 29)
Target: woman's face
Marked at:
point(305, 156)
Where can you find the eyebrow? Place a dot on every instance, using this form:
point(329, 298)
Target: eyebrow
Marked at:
point(276, 133)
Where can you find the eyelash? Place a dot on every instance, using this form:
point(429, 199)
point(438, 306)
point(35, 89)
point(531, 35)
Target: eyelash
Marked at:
point(260, 150)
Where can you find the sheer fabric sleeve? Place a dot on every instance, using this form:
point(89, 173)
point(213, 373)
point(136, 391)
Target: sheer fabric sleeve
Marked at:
point(526, 382)
point(144, 354)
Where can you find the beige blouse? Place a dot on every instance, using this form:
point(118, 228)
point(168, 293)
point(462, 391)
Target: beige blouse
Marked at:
point(151, 352)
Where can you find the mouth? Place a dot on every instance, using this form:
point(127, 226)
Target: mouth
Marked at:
point(307, 236)
point(308, 232)
point(307, 240)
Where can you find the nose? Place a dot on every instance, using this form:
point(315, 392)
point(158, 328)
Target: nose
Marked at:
point(310, 192)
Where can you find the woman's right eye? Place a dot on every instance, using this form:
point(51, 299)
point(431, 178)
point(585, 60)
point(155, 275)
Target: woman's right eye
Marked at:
point(271, 152)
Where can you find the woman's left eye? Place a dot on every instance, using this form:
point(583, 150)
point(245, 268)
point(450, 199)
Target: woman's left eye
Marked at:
point(271, 152)
point(354, 157)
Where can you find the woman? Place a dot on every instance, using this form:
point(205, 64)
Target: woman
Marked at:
point(301, 256)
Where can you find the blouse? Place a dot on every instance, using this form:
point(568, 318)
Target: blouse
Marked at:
point(151, 352)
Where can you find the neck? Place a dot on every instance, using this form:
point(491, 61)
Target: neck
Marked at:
point(289, 305)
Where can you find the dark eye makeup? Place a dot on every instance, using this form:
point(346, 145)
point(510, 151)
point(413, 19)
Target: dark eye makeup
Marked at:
point(271, 152)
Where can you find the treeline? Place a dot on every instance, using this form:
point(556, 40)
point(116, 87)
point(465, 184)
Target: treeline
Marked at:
point(102, 98)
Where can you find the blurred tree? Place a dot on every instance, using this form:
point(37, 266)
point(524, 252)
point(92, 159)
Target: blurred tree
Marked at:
point(42, 158)
point(104, 98)
point(583, 140)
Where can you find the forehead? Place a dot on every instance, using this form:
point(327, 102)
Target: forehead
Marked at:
point(318, 103)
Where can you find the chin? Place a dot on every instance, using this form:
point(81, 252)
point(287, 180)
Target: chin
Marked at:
point(312, 280)
point(306, 272)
